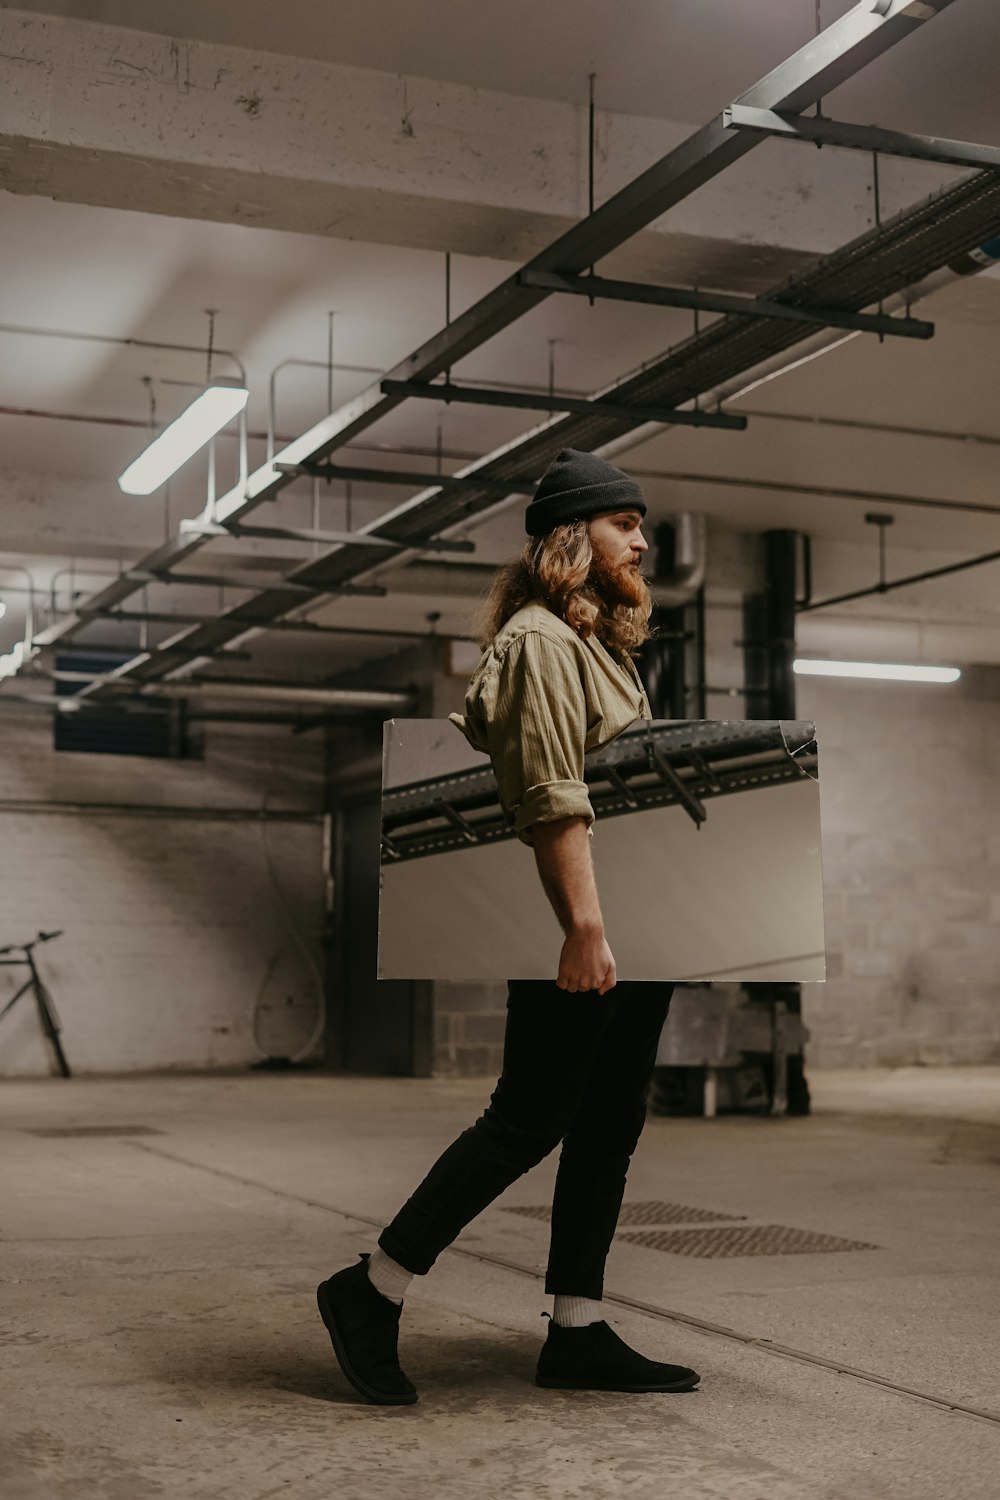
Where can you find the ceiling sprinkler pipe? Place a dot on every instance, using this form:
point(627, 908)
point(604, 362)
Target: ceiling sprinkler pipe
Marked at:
point(304, 364)
point(29, 614)
point(108, 338)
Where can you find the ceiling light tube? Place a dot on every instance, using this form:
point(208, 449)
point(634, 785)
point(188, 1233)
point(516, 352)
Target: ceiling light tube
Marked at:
point(889, 671)
point(208, 413)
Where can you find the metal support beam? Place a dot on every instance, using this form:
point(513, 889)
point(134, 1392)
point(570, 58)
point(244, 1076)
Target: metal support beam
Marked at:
point(899, 583)
point(219, 652)
point(471, 395)
point(722, 302)
point(306, 627)
point(241, 581)
point(304, 534)
point(818, 130)
point(408, 478)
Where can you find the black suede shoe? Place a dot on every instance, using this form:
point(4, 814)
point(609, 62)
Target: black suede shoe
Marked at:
point(364, 1327)
point(594, 1358)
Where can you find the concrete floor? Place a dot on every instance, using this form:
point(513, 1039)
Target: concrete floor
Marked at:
point(161, 1338)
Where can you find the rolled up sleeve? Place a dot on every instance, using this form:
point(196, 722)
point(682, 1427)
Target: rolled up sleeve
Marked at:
point(536, 723)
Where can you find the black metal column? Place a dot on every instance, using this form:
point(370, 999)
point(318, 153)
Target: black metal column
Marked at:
point(779, 621)
point(662, 661)
point(768, 654)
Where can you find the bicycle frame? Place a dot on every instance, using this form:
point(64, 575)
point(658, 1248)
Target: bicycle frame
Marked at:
point(43, 1001)
point(10, 963)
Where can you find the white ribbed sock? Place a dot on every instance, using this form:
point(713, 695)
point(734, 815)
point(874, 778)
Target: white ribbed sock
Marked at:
point(576, 1312)
point(388, 1276)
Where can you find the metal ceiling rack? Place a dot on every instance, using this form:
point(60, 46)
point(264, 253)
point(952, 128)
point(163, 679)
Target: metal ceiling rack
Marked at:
point(406, 477)
point(724, 302)
point(477, 395)
point(680, 763)
point(301, 627)
point(208, 529)
point(245, 581)
point(894, 256)
point(820, 130)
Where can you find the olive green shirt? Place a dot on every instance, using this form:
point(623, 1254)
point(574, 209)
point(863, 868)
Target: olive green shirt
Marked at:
point(540, 698)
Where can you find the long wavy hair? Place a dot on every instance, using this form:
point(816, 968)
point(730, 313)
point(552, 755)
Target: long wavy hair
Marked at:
point(555, 568)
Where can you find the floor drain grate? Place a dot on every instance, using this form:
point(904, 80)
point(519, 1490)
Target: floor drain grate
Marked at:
point(750, 1239)
point(640, 1213)
point(54, 1132)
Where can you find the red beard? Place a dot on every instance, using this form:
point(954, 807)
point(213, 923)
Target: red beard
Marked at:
point(617, 583)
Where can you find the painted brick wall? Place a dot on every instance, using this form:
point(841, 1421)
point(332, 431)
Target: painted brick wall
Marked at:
point(468, 1028)
point(175, 925)
point(911, 867)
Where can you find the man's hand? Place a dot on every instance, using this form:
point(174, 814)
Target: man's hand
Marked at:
point(586, 963)
point(562, 854)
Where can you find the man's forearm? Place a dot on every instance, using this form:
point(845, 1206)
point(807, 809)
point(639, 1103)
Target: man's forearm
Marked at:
point(566, 870)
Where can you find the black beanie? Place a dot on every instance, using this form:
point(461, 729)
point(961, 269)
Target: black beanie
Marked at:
point(576, 486)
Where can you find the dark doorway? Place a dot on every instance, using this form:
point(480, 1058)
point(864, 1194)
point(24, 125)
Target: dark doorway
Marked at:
point(380, 1026)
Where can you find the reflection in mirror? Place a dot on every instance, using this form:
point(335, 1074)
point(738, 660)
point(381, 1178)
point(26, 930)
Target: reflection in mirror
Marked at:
point(706, 850)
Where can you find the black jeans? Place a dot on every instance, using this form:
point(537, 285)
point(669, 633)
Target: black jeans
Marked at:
point(576, 1068)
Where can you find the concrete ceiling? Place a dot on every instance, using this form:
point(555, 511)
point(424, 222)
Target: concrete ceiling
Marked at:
point(903, 419)
point(669, 59)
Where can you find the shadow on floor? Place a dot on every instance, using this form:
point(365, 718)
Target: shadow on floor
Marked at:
point(450, 1363)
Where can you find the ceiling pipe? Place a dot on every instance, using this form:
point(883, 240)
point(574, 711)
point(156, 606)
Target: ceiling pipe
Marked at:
point(352, 700)
point(12, 661)
point(474, 579)
point(110, 338)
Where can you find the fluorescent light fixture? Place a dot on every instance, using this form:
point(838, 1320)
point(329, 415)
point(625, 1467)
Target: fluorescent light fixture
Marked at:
point(207, 415)
point(885, 670)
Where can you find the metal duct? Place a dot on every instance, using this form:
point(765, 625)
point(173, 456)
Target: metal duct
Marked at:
point(690, 558)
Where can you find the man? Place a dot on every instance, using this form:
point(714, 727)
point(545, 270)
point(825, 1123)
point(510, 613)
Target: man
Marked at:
point(556, 680)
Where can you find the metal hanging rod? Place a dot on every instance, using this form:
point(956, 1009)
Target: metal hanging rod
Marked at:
point(821, 131)
point(306, 534)
point(410, 479)
point(246, 581)
point(471, 395)
point(898, 583)
point(754, 307)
